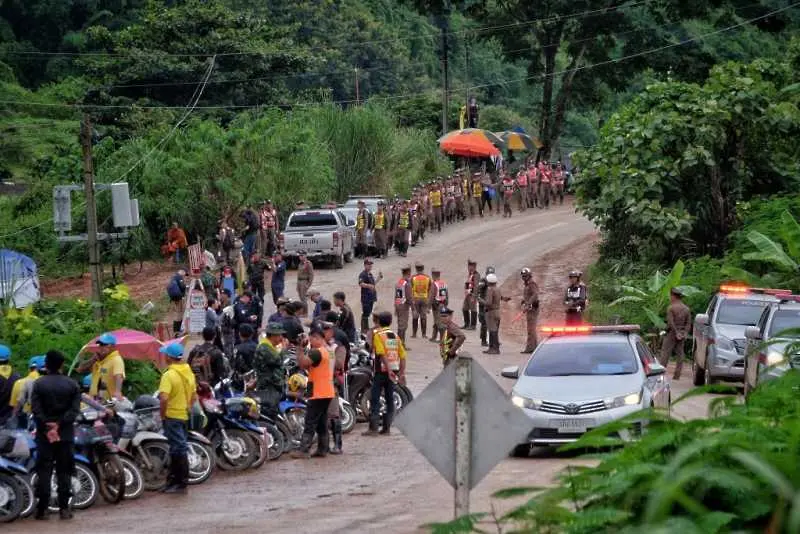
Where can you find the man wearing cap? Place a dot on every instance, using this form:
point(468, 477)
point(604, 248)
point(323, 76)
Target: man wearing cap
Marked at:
point(316, 299)
point(470, 306)
point(476, 204)
point(575, 299)
point(347, 319)
point(369, 291)
point(269, 224)
point(107, 367)
point(439, 299)
point(451, 336)
point(403, 233)
point(530, 307)
point(379, 226)
point(177, 392)
point(268, 365)
point(280, 313)
point(389, 367)
point(7, 380)
point(250, 234)
point(362, 227)
point(679, 322)
point(436, 199)
point(492, 305)
point(278, 279)
point(338, 349)
point(317, 364)
point(402, 302)
point(305, 276)
point(247, 311)
point(55, 403)
point(20, 401)
point(420, 300)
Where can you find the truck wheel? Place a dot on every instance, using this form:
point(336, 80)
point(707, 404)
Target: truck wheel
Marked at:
point(698, 373)
point(338, 261)
point(349, 257)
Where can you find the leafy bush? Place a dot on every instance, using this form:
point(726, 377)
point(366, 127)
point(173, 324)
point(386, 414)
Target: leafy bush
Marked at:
point(737, 472)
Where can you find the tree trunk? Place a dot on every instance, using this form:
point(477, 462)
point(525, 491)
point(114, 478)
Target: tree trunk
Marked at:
point(563, 97)
point(549, 40)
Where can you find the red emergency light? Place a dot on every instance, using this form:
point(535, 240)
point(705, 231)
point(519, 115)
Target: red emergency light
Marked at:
point(742, 289)
point(588, 329)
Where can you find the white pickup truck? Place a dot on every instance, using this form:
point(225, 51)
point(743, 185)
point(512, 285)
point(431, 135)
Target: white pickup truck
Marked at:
point(322, 233)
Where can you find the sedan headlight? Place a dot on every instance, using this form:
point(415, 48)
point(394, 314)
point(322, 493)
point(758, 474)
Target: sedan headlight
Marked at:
point(625, 400)
point(723, 343)
point(774, 357)
point(524, 402)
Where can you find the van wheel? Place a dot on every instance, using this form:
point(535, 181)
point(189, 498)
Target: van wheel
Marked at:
point(338, 262)
point(522, 451)
point(698, 373)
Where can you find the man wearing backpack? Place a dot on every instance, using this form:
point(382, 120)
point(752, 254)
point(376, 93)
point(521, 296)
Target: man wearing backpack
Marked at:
point(206, 360)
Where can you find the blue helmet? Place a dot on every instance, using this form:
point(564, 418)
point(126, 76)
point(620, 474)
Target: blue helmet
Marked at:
point(87, 381)
point(107, 339)
point(5, 353)
point(37, 362)
point(173, 350)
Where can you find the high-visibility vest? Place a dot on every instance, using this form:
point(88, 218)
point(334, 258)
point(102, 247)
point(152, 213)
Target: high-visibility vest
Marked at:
point(420, 287)
point(361, 220)
point(522, 179)
point(404, 220)
point(440, 287)
point(465, 187)
point(400, 292)
point(392, 348)
point(380, 220)
point(436, 199)
point(508, 186)
point(444, 345)
point(477, 189)
point(321, 377)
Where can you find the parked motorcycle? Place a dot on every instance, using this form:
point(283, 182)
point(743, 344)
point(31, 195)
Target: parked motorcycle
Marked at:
point(12, 491)
point(149, 449)
point(236, 441)
point(359, 385)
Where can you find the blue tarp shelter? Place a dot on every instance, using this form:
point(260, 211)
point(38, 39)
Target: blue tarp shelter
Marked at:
point(19, 279)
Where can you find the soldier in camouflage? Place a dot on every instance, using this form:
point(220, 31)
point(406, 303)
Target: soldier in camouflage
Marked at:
point(268, 366)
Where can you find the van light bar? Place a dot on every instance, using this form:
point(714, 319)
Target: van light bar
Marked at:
point(757, 290)
point(789, 298)
point(587, 329)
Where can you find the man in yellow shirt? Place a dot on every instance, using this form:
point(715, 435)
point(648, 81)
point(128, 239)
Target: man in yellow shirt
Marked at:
point(21, 392)
point(390, 367)
point(108, 369)
point(177, 391)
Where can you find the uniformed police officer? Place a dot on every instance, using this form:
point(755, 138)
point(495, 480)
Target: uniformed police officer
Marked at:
point(452, 336)
point(482, 286)
point(440, 298)
point(363, 224)
point(470, 306)
point(575, 299)
point(492, 307)
point(402, 302)
point(530, 306)
point(421, 298)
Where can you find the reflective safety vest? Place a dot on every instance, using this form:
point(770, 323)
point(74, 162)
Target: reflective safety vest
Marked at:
point(545, 177)
point(380, 220)
point(404, 220)
point(440, 288)
point(267, 219)
point(436, 199)
point(465, 187)
point(420, 287)
point(361, 221)
point(477, 189)
point(522, 179)
point(392, 348)
point(400, 292)
point(321, 377)
point(444, 345)
point(508, 187)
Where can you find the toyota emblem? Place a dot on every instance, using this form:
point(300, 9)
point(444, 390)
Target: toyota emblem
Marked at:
point(572, 409)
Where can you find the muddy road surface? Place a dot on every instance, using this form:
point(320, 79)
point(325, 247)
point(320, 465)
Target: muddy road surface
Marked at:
point(382, 484)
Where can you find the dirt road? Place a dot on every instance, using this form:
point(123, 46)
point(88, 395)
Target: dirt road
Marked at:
point(381, 484)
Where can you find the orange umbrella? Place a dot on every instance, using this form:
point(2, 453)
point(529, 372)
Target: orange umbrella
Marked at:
point(468, 144)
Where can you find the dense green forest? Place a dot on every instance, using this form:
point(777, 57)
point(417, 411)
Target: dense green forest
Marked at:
point(215, 103)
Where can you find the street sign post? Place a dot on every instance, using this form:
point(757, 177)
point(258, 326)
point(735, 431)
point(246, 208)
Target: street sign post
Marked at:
point(464, 425)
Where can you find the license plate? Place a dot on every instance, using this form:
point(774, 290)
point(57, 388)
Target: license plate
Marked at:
point(308, 241)
point(572, 426)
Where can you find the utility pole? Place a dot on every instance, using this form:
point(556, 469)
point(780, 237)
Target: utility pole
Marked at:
point(466, 70)
point(95, 269)
point(358, 98)
point(446, 88)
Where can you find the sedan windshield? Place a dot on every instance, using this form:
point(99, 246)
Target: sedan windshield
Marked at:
point(785, 320)
point(570, 359)
point(740, 312)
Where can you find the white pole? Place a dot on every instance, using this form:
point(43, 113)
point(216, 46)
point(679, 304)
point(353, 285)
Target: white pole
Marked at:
point(463, 441)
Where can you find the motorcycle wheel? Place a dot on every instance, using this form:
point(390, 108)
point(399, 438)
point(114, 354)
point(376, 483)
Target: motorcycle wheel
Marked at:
point(29, 497)
point(278, 440)
point(296, 419)
point(261, 446)
point(347, 414)
point(400, 401)
point(134, 481)
point(237, 453)
point(85, 488)
point(112, 478)
point(290, 442)
point(201, 462)
point(12, 498)
point(155, 477)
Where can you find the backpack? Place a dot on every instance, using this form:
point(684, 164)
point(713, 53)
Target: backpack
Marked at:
point(174, 289)
point(200, 362)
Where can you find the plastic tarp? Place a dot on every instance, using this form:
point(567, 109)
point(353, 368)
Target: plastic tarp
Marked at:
point(19, 281)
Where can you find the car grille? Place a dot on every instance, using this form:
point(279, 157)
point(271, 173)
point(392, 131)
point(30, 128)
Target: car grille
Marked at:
point(552, 433)
point(572, 408)
point(740, 345)
point(738, 363)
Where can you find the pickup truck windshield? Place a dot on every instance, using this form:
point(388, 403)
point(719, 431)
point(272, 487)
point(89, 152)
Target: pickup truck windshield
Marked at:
point(312, 218)
point(741, 312)
point(785, 320)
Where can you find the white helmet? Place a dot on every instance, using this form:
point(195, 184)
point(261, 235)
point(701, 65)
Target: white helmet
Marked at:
point(525, 272)
point(491, 278)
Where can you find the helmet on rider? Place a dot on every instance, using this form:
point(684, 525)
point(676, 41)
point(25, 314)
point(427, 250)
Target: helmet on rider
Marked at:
point(490, 269)
point(575, 274)
point(525, 272)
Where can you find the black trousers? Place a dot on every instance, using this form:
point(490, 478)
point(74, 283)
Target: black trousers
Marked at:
point(316, 422)
point(58, 455)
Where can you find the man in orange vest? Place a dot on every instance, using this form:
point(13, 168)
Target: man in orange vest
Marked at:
point(507, 186)
point(533, 185)
point(420, 300)
point(439, 300)
point(317, 363)
point(402, 302)
point(389, 367)
point(545, 178)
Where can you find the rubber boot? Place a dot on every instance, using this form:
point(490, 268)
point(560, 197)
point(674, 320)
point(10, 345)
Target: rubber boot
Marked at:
point(434, 333)
point(323, 447)
point(423, 325)
point(336, 432)
point(402, 335)
point(373, 426)
point(305, 445)
point(414, 326)
point(484, 333)
point(176, 476)
point(386, 428)
point(364, 324)
point(493, 344)
point(467, 320)
point(474, 323)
